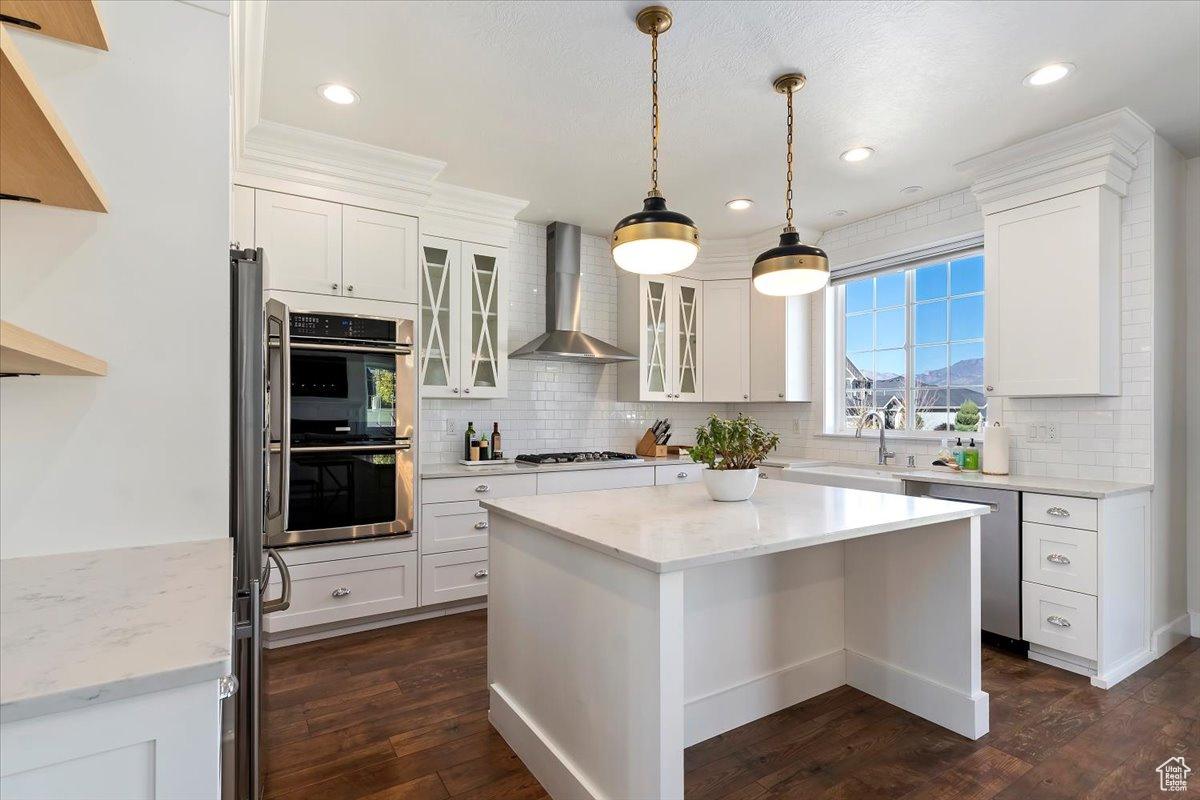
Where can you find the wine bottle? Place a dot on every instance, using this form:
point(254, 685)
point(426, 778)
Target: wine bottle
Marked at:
point(485, 453)
point(497, 450)
point(469, 436)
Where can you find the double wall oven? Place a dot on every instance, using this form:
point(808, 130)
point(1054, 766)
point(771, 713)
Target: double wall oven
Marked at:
point(341, 421)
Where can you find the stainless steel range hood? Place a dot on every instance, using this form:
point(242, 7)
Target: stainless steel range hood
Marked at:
point(563, 341)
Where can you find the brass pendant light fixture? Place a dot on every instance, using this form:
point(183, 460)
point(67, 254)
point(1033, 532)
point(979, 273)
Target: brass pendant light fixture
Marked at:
point(792, 268)
point(655, 240)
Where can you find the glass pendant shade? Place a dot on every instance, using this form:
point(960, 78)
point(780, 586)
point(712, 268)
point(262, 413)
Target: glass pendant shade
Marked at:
point(792, 268)
point(655, 241)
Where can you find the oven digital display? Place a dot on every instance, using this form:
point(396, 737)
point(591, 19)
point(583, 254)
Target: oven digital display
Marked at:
point(333, 326)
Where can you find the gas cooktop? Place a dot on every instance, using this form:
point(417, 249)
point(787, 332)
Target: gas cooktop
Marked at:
point(581, 457)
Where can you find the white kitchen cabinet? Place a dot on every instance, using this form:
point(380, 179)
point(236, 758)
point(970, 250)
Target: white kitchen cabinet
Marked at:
point(458, 575)
point(320, 247)
point(727, 346)
point(379, 254)
point(661, 318)
point(464, 319)
point(780, 348)
point(589, 480)
point(683, 472)
point(1052, 303)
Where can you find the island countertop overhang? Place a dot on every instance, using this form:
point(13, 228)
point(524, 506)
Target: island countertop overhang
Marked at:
point(672, 528)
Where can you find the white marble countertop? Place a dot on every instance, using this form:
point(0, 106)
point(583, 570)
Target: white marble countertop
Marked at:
point(670, 528)
point(461, 470)
point(1073, 487)
point(83, 628)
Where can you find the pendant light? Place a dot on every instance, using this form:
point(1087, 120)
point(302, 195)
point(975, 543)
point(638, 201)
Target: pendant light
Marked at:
point(792, 268)
point(655, 241)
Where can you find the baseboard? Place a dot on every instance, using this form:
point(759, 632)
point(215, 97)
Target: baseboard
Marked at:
point(332, 629)
point(1085, 667)
point(1171, 634)
point(1115, 675)
point(1195, 615)
point(964, 714)
point(557, 774)
point(705, 717)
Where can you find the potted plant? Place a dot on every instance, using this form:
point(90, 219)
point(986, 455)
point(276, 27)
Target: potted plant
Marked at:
point(732, 449)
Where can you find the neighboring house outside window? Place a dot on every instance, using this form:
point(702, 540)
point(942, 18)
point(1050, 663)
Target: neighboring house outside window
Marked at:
point(911, 340)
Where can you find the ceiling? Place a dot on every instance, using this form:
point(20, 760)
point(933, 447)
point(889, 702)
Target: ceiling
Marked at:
point(549, 101)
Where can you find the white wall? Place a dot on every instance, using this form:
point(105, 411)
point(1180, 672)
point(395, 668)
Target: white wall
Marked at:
point(141, 456)
point(553, 406)
point(1192, 315)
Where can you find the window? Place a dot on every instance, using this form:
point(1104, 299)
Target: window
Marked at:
point(911, 340)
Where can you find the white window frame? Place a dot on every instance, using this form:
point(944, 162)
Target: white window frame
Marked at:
point(835, 332)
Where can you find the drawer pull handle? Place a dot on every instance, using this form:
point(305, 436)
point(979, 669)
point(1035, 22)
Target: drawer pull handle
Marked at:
point(681, 475)
point(1061, 622)
point(1058, 558)
point(483, 487)
point(762, 474)
point(341, 591)
point(1058, 511)
point(481, 573)
point(480, 525)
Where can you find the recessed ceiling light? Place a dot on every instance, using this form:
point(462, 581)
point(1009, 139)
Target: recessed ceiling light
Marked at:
point(739, 204)
point(858, 154)
point(337, 93)
point(841, 212)
point(911, 189)
point(1048, 74)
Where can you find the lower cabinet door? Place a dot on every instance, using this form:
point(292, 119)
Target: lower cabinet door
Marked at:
point(352, 588)
point(1059, 619)
point(460, 575)
point(453, 526)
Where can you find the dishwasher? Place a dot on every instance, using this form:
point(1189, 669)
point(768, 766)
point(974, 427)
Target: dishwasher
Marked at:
point(999, 556)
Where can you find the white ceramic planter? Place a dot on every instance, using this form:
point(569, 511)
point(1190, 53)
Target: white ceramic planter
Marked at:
point(730, 485)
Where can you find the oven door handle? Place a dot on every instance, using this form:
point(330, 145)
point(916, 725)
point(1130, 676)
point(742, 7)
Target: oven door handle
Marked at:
point(353, 448)
point(397, 350)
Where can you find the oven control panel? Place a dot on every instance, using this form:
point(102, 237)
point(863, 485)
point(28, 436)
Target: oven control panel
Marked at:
point(334, 326)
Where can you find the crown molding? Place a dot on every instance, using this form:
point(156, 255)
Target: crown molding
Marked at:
point(1101, 151)
point(457, 212)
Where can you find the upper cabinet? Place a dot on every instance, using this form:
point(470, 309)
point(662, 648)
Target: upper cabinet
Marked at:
point(780, 348)
point(667, 335)
point(1057, 261)
point(727, 341)
point(321, 247)
point(464, 319)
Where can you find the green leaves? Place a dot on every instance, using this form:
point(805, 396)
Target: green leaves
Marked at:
point(732, 443)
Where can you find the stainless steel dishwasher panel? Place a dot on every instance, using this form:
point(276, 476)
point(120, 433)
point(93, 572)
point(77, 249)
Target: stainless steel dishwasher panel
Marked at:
point(999, 551)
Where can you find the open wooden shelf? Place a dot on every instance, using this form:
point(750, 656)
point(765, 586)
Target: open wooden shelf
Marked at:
point(38, 159)
point(23, 352)
point(70, 20)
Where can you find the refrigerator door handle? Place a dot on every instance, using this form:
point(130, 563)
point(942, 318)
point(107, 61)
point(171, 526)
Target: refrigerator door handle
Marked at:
point(285, 581)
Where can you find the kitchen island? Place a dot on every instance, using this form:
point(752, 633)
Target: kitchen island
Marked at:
point(625, 625)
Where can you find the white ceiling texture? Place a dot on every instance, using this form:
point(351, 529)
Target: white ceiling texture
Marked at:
point(549, 101)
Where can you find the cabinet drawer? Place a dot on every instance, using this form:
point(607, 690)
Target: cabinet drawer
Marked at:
point(454, 576)
point(1050, 509)
point(453, 526)
point(1059, 619)
point(678, 473)
point(450, 490)
point(1060, 557)
point(336, 591)
point(590, 480)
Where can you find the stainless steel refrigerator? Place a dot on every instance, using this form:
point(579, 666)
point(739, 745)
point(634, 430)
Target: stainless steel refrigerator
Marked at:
point(254, 328)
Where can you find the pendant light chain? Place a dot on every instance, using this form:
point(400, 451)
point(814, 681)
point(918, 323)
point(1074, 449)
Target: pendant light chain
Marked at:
point(654, 112)
point(788, 196)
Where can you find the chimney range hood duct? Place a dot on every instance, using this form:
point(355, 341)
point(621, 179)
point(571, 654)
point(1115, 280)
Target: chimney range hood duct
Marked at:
point(563, 341)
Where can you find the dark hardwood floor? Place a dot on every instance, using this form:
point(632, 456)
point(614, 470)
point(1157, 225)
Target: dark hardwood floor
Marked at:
point(401, 714)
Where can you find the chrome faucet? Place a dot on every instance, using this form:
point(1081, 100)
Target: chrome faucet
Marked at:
point(884, 453)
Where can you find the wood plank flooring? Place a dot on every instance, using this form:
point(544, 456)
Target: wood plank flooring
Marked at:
point(401, 714)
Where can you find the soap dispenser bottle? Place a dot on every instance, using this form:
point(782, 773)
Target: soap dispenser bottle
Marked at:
point(971, 458)
point(958, 453)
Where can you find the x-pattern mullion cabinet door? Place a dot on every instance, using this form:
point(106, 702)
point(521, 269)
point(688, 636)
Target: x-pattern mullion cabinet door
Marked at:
point(656, 322)
point(441, 317)
point(484, 321)
point(686, 338)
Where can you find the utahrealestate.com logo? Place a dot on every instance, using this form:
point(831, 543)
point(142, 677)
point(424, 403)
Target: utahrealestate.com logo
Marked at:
point(1172, 775)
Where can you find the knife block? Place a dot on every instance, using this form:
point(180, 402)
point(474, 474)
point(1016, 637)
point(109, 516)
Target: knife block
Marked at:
point(646, 448)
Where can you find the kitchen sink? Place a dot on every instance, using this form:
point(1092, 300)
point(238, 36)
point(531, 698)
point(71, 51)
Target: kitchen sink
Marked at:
point(847, 476)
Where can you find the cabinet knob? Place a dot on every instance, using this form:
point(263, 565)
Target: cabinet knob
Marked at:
point(1058, 558)
point(681, 475)
point(1061, 622)
point(781, 394)
point(745, 397)
point(482, 573)
point(467, 390)
point(341, 591)
point(455, 390)
point(989, 388)
point(350, 288)
point(483, 487)
point(481, 525)
point(333, 286)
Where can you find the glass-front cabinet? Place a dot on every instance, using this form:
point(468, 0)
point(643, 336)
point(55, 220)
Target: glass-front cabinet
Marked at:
point(464, 319)
point(669, 339)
